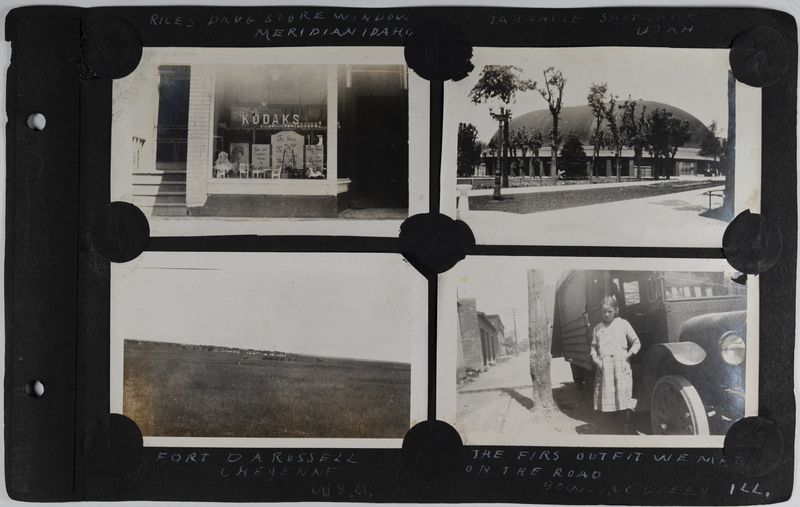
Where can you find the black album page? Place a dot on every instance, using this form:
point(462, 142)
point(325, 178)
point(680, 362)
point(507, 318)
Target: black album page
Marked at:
point(400, 254)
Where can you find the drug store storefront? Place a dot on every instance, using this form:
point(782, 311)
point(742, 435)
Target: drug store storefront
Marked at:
point(300, 132)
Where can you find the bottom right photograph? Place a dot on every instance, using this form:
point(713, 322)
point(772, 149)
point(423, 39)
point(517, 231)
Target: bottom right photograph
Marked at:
point(553, 347)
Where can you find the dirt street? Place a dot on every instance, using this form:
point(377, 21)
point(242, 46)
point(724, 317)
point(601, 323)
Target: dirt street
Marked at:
point(499, 401)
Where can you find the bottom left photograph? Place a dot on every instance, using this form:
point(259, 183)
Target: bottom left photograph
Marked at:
point(220, 346)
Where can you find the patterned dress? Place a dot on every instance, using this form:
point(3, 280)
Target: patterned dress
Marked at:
point(613, 388)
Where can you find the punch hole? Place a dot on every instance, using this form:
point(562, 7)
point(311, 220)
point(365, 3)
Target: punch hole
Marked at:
point(752, 243)
point(433, 243)
point(112, 48)
point(439, 51)
point(432, 450)
point(112, 445)
point(36, 121)
point(120, 232)
point(753, 446)
point(34, 389)
point(759, 56)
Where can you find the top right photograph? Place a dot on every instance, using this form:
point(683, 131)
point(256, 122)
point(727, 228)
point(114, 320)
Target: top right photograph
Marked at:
point(605, 146)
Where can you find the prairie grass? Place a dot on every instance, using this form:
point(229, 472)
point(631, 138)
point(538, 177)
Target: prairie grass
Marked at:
point(175, 391)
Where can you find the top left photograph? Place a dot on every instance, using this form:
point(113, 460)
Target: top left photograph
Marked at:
point(220, 141)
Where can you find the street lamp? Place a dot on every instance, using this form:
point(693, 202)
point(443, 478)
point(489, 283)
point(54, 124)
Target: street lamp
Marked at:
point(503, 117)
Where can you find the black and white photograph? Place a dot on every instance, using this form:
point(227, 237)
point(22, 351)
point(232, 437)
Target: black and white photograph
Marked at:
point(600, 146)
point(598, 351)
point(222, 141)
point(285, 349)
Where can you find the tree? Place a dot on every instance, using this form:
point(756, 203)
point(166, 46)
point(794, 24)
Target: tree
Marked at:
point(573, 158)
point(519, 141)
point(597, 103)
point(634, 132)
point(535, 143)
point(513, 145)
point(710, 143)
point(539, 339)
point(481, 147)
point(552, 92)
point(657, 136)
point(511, 342)
point(492, 147)
point(615, 138)
point(665, 134)
point(680, 131)
point(501, 82)
point(469, 151)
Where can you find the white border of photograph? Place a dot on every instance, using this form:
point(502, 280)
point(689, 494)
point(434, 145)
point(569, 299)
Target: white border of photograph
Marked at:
point(502, 228)
point(447, 332)
point(388, 271)
point(418, 142)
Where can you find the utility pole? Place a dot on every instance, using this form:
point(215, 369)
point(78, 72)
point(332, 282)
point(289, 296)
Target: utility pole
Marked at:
point(539, 338)
point(516, 342)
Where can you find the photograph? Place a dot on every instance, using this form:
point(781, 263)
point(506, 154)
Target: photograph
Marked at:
point(269, 349)
point(600, 146)
point(218, 141)
point(598, 351)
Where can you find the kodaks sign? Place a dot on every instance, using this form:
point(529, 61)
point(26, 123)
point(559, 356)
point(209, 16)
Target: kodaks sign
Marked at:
point(264, 119)
point(249, 116)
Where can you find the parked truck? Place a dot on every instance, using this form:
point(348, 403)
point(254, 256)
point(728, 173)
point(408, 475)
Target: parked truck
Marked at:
point(690, 371)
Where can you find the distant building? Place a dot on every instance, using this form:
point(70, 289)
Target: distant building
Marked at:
point(579, 120)
point(489, 339)
point(480, 337)
point(461, 368)
point(501, 333)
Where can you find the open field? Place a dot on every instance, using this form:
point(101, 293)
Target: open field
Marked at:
point(177, 391)
point(548, 201)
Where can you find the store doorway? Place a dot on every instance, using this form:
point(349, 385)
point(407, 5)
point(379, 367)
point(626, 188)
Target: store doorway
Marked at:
point(380, 178)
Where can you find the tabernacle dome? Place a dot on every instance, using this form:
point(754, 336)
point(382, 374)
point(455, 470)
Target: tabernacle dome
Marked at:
point(579, 119)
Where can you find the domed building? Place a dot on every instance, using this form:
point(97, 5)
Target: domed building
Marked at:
point(579, 120)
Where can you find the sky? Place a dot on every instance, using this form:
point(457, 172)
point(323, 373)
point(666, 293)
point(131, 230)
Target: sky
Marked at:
point(694, 80)
point(500, 284)
point(789, 5)
point(364, 306)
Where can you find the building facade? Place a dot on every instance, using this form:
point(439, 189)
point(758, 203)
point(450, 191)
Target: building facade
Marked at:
point(579, 120)
point(288, 132)
point(480, 337)
point(497, 322)
point(490, 341)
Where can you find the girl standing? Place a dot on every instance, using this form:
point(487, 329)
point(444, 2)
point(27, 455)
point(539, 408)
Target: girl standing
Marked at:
point(614, 342)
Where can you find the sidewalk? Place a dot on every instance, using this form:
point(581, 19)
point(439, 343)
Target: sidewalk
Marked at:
point(669, 220)
point(587, 186)
point(498, 402)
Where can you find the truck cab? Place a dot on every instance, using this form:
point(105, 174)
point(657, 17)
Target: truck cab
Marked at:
point(692, 325)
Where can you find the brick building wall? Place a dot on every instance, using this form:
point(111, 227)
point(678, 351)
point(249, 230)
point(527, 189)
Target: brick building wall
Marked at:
point(499, 335)
point(198, 149)
point(489, 337)
point(470, 334)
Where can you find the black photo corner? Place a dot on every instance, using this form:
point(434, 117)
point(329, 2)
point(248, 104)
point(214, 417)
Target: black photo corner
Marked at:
point(309, 147)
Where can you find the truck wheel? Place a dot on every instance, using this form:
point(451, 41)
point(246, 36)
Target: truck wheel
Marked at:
point(676, 408)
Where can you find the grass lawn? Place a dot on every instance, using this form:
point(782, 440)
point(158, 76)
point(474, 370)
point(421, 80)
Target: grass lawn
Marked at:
point(549, 201)
point(177, 391)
